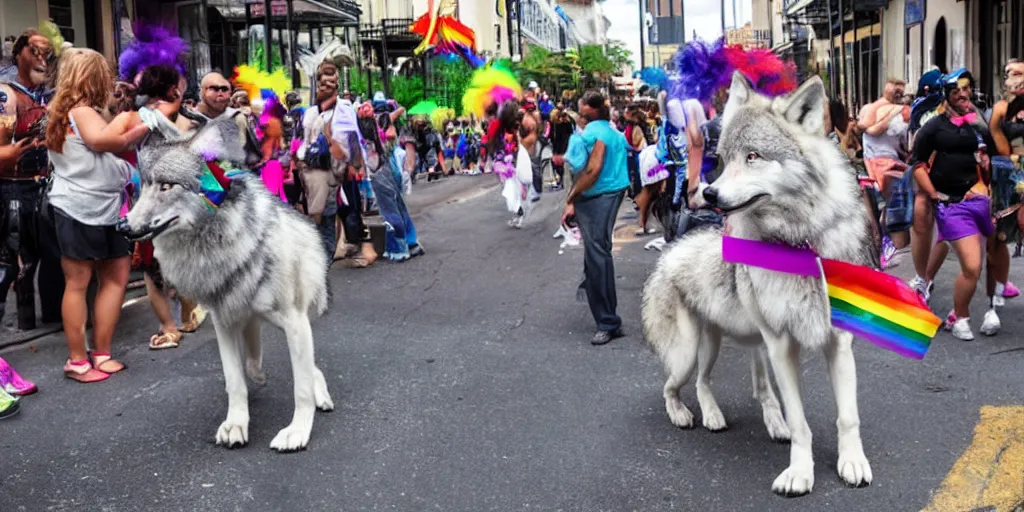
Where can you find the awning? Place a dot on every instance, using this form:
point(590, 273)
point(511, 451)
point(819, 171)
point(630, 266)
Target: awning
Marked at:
point(345, 12)
point(799, 6)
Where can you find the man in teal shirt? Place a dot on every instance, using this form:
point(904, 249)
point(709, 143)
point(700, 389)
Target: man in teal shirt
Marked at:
point(601, 178)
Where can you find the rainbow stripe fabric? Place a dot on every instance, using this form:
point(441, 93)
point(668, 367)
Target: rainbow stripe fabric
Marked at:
point(870, 304)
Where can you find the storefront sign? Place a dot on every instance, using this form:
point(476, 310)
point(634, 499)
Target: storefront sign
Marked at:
point(913, 13)
point(277, 8)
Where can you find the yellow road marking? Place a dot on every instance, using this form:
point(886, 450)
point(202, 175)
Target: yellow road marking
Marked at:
point(990, 473)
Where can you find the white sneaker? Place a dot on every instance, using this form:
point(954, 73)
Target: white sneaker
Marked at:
point(991, 325)
point(962, 329)
point(998, 301)
point(921, 287)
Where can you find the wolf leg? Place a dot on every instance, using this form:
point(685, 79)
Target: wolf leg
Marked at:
point(235, 429)
point(784, 353)
point(763, 392)
point(707, 354)
point(254, 351)
point(320, 393)
point(853, 464)
point(300, 347)
point(680, 358)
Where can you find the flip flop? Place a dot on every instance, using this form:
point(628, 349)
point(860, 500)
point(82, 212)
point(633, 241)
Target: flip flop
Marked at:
point(162, 340)
point(83, 372)
point(103, 358)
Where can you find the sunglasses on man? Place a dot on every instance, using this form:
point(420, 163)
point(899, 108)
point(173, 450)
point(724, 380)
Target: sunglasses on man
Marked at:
point(218, 88)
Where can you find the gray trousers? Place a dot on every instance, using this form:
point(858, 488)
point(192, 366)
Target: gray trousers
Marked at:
point(596, 216)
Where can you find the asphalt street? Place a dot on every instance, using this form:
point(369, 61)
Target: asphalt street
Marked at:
point(464, 381)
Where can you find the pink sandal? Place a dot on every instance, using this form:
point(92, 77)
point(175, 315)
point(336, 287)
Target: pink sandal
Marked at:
point(99, 359)
point(82, 371)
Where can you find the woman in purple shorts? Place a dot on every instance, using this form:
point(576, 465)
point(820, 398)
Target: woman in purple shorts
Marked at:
point(949, 165)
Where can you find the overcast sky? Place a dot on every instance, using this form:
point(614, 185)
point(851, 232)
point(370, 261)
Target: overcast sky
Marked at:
point(703, 15)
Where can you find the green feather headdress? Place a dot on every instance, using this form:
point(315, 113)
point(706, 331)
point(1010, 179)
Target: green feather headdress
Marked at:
point(52, 32)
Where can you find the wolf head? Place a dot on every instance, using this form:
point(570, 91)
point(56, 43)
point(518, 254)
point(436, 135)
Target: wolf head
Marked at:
point(171, 165)
point(780, 173)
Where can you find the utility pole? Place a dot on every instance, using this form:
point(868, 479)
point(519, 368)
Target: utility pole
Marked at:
point(268, 36)
point(735, 22)
point(640, 8)
point(723, 18)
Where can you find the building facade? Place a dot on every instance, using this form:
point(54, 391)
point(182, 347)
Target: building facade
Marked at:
point(664, 30)
point(84, 23)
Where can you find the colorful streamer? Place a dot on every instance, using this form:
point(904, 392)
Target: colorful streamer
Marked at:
point(446, 34)
point(874, 305)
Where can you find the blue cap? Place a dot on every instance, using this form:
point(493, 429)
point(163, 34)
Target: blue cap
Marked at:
point(952, 79)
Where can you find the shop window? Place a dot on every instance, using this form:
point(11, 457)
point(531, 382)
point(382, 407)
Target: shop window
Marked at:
point(60, 13)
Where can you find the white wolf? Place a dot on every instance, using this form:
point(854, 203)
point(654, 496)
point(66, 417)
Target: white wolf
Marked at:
point(251, 259)
point(783, 181)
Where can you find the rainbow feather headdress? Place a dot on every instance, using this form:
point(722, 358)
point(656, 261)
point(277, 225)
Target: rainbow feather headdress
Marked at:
point(153, 45)
point(705, 68)
point(489, 85)
point(874, 305)
point(265, 89)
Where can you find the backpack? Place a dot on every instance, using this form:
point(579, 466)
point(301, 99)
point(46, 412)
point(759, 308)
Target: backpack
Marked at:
point(318, 155)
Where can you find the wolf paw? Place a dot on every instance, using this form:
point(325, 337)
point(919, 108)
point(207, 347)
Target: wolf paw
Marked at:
point(321, 396)
point(714, 420)
point(778, 430)
point(679, 414)
point(291, 439)
point(231, 434)
point(794, 481)
point(854, 469)
point(323, 400)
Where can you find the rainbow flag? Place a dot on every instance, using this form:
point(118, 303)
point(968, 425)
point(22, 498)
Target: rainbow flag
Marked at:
point(878, 307)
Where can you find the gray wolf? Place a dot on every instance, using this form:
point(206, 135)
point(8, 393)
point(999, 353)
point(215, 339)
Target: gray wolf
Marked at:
point(782, 181)
point(251, 259)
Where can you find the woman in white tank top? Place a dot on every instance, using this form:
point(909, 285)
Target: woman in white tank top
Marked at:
point(88, 184)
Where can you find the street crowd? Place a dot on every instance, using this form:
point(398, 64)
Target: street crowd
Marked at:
point(70, 130)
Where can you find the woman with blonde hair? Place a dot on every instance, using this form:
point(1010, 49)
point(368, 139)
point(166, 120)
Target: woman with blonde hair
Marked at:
point(86, 196)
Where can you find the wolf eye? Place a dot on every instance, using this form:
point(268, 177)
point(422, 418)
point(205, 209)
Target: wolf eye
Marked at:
point(753, 156)
point(164, 187)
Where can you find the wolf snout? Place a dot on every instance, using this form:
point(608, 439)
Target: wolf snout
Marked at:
point(711, 196)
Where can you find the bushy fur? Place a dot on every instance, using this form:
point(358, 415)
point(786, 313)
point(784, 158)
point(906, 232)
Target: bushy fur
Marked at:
point(251, 259)
point(783, 181)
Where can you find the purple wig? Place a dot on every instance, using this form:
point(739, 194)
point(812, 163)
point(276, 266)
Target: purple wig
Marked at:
point(705, 68)
point(153, 45)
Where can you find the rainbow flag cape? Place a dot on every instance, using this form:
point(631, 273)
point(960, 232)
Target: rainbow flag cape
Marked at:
point(878, 307)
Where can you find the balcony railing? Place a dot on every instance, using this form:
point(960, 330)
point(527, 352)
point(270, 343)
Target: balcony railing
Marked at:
point(392, 28)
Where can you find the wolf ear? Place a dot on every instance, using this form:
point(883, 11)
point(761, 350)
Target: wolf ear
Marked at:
point(218, 139)
point(740, 90)
point(806, 106)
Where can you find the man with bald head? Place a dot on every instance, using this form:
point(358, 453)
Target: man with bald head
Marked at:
point(215, 93)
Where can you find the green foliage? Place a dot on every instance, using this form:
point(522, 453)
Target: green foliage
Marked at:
point(407, 91)
point(258, 58)
point(548, 69)
point(595, 66)
point(450, 79)
point(619, 55)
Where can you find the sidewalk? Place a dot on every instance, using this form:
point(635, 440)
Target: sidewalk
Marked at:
point(424, 197)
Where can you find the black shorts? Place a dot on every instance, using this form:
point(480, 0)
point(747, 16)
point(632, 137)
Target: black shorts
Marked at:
point(84, 242)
